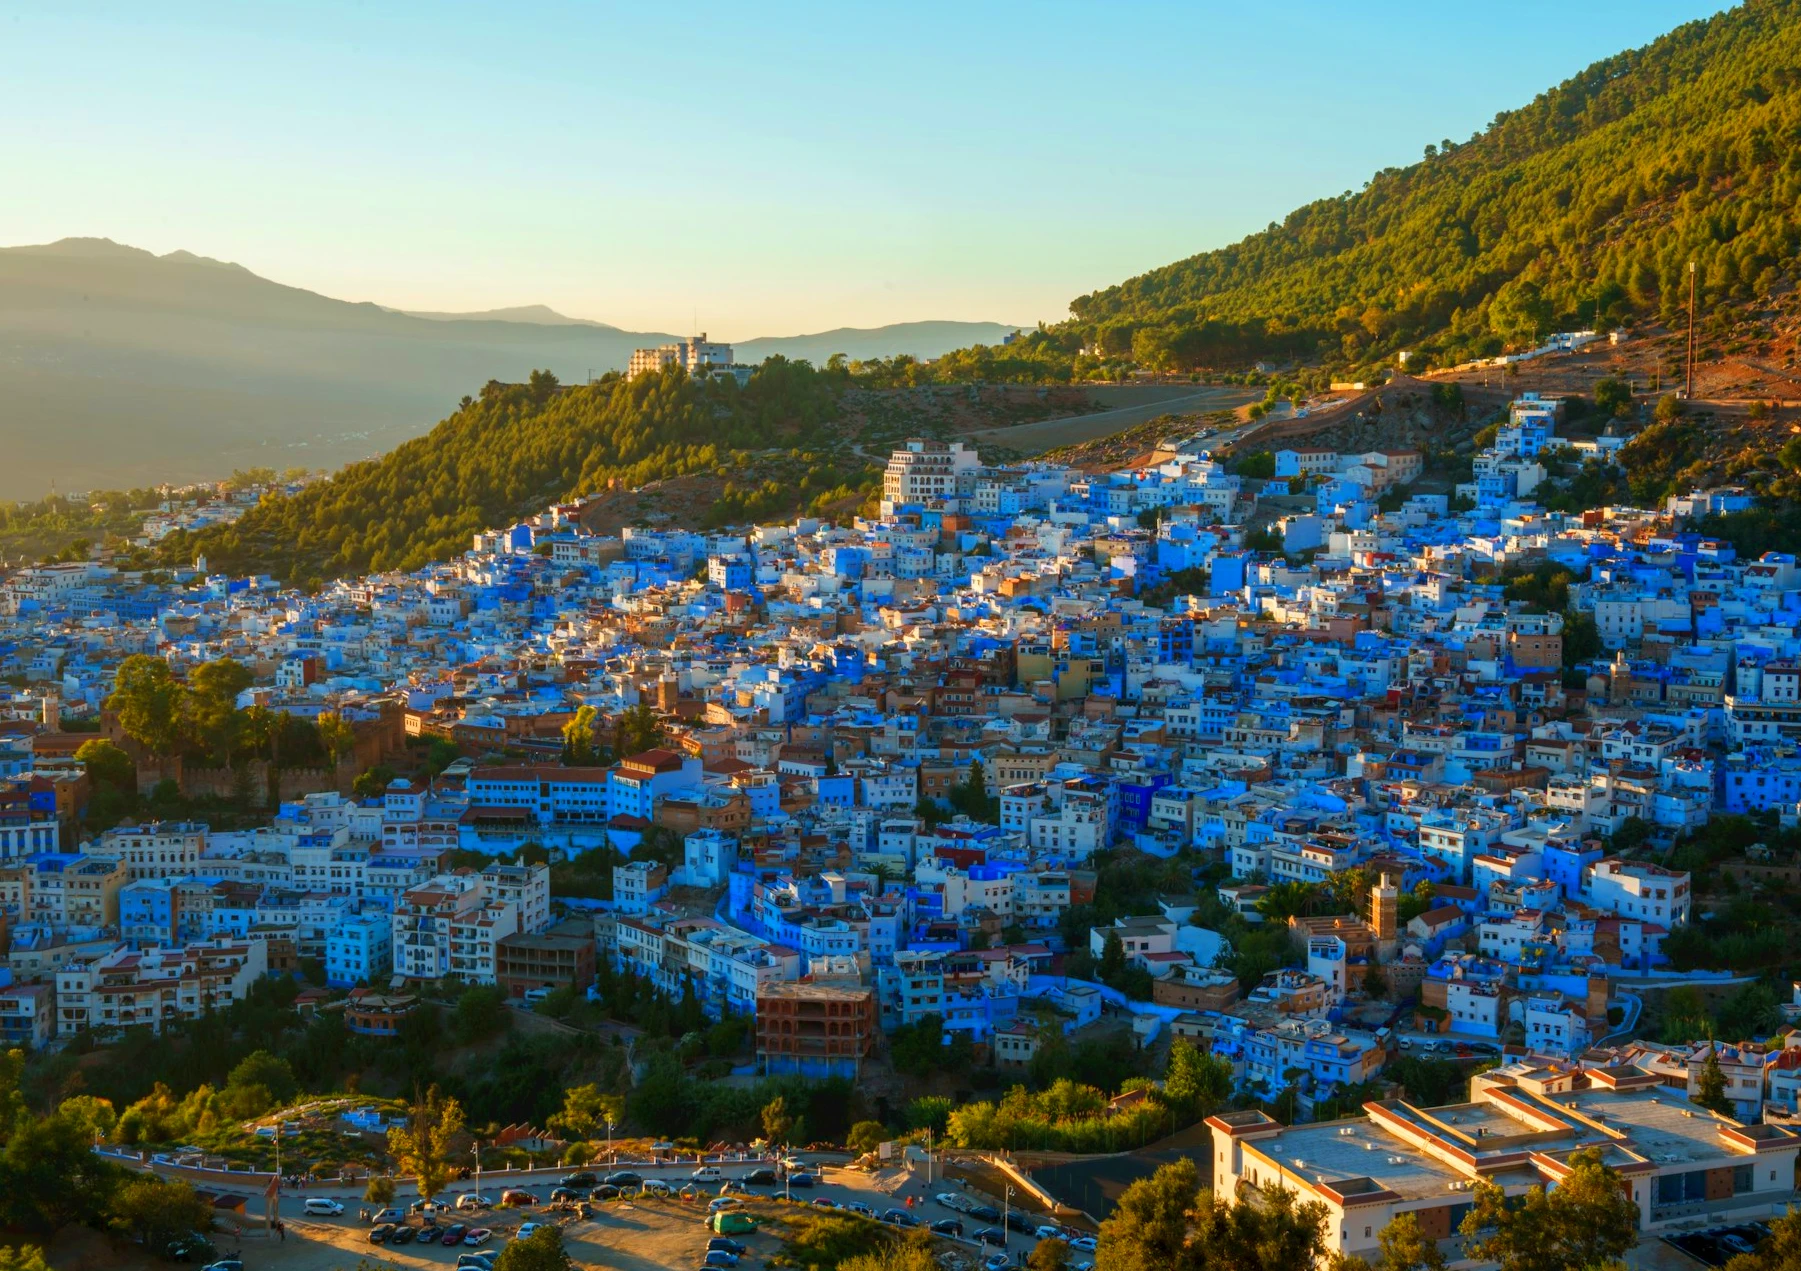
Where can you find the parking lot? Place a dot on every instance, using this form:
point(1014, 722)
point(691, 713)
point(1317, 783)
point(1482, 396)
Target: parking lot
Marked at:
point(641, 1232)
point(1716, 1246)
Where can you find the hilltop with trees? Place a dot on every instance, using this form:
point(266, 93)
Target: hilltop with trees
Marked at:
point(1582, 207)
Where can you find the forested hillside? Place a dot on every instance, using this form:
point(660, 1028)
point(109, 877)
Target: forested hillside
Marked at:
point(513, 450)
point(1586, 204)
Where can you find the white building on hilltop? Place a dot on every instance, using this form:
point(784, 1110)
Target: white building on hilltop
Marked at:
point(695, 355)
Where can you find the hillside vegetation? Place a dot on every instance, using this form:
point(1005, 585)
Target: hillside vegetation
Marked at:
point(511, 451)
point(1585, 205)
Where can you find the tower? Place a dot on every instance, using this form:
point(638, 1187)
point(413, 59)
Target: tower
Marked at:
point(1384, 917)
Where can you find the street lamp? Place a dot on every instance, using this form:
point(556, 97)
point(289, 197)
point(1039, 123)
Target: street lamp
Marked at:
point(610, 1142)
point(1006, 1215)
point(272, 1212)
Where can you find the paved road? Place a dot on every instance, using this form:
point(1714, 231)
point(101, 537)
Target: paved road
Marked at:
point(1046, 434)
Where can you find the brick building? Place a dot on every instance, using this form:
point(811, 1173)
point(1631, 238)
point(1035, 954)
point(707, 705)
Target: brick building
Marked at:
point(561, 957)
point(814, 1029)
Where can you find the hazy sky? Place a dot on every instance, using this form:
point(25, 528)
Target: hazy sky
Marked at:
point(768, 169)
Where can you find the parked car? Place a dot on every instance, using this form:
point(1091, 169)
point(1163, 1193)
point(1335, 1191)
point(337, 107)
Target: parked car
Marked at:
point(824, 1202)
point(1049, 1231)
point(996, 1262)
point(474, 1200)
point(477, 1237)
point(719, 1258)
point(707, 1174)
point(991, 1236)
point(764, 1177)
point(453, 1234)
point(403, 1235)
point(526, 1230)
point(858, 1207)
point(802, 1180)
point(948, 1227)
point(899, 1217)
point(657, 1187)
point(483, 1261)
point(517, 1197)
point(581, 1178)
point(380, 1233)
point(427, 1207)
point(1735, 1242)
point(987, 1213)
point(1086, 1244)
point(389, 1215)
point(723, 1202)
point(624, 1178)
point(1021, 1222)
point(192, 1248)
point(735, 1247)
point(324, 1206)
point(950, 1200)
point(564, 1194)
point(606, 1191)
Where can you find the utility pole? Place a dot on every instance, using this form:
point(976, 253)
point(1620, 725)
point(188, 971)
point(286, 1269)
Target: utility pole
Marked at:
point(1688, 389)
point(475, 1150)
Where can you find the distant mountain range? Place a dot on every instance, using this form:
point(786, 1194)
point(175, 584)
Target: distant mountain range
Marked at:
point(119, 367)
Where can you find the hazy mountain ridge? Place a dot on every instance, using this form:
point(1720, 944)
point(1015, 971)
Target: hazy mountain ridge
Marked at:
point(120, 367)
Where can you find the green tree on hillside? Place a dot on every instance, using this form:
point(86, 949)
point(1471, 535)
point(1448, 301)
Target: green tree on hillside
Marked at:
point(148, 701)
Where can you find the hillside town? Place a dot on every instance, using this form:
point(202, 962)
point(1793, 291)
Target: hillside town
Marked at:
point(854, 779)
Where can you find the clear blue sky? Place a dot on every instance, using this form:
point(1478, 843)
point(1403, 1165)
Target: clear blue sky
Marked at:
point(769, 168)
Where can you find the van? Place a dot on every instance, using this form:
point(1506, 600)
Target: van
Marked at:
point(534, 996)
point(707, 1174)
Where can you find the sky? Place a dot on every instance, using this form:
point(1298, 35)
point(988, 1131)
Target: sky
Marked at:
point(752, 169)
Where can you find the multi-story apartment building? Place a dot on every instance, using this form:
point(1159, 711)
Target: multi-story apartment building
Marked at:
point(1638, 889)
point(562, 957)
point(73, 890)
point(816, 1030)
point(128, 988)
point(160, 849)
point(525, 887)
point(359, 950)
point(928, 471)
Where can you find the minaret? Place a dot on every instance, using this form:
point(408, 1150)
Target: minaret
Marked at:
point(1384, 920)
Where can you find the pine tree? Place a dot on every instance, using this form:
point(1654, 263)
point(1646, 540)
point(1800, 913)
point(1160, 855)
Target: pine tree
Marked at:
point(1710, 1086)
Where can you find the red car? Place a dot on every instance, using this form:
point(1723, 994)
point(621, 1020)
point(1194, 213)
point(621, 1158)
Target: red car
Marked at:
point(453, 1234)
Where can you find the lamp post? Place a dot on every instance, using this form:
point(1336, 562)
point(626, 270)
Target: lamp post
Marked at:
point(475, 1150)
point(273, 1214)
point(610, 1142)
point(1006, 1224)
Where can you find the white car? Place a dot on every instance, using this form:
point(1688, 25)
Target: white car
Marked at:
point(1084, 1243)
point(1048, 1232)
point(471, 1200)
point(525, 1231)
point(950, 1200)
point(324, 1206)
